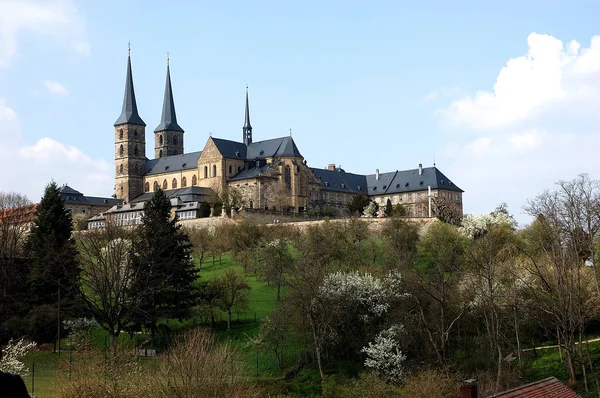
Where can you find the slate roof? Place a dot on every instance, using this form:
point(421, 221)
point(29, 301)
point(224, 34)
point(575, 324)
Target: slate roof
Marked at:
point(252, 173)
point(187, 194)
point(341, 181)
point(276, 147)
point(168, 164)
point(129, 113)
point(409, 181)
point(550, 387)
point(282, 147)
point(168, 120)
point(389, 183)
point(230, 149)
point(74, 197)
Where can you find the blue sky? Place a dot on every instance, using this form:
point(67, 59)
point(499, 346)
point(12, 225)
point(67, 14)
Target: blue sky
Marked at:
point(505, 94)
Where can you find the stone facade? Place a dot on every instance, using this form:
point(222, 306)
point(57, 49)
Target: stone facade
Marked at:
point(130, 161)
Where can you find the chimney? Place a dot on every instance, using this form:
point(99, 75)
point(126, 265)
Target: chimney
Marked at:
point(468, 390)
point(420, 168)
point(331, 167)
point(377, 174)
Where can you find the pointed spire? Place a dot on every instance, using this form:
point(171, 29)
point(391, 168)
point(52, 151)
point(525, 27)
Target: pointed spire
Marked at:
point(168, 120)
point(129, 114)
point(247, 129)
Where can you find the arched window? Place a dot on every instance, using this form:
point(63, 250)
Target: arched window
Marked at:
point(121, 190)
point(214, 174)
point(121, 169)
point(165, 184)
point(155, 186)
point(251, 204)
point(121, 150)
point(135, 134)
point(174, 183)
point(147, 187)
point(194, 180)
point(230, 169)
point(174, 140)
point(205, 171)
point(288, 177)
point(183, 182)
point(160, 153)
point(120, 134)
point(135, 150)
point(160, 139)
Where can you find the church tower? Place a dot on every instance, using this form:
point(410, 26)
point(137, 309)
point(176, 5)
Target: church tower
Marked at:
point(130, 145)
point(168, 136)
point(247, 129)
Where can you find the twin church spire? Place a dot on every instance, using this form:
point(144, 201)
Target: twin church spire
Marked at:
point(168, 134)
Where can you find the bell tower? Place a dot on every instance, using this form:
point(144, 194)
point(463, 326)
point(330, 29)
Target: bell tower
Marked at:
point(130, 145)
point(168, 136)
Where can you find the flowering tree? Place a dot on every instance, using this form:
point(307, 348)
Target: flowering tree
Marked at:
point(372, 209)
point(358, 306)
point(9, 360)
point(384, 355)
point(475, 226)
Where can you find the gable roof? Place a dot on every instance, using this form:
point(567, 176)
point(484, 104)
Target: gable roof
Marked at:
point(409, 180)
point(230, 149)
point(168, 164)
point(281, 147)
point(73, 197)
point(550, 387)
point(340, 181)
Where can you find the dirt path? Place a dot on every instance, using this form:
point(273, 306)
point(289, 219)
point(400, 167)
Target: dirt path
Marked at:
point(556, 345)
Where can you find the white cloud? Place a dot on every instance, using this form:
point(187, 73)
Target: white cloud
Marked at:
point(431, 96)
point(28, 168)
point(55, 18)
point(55, 88)
point(540, 124)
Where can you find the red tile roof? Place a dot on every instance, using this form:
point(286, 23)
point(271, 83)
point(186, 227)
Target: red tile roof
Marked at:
point(22, 214)
point(547, 388)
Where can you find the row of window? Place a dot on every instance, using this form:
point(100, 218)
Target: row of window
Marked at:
point(187, 215)
point(160, 140)
point(165, 185)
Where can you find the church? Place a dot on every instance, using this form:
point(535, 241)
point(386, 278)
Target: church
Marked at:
point(268, 175)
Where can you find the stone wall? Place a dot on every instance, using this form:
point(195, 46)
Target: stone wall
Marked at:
point(374, 224)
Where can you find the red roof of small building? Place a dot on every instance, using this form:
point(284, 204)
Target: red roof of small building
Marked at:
point(547, 388)
point(18, 215)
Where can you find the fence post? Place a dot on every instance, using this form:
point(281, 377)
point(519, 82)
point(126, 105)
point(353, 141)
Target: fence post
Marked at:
point(32, 377)
point(70, 355)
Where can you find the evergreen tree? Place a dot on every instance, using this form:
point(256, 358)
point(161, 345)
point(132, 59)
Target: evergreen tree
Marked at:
point(53, 267)
point(389, 209)
point(163, 251)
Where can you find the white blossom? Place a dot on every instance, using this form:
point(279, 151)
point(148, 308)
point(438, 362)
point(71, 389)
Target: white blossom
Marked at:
point(473, 226)
point(353, 289)
point(11, 355)
point(384, 355)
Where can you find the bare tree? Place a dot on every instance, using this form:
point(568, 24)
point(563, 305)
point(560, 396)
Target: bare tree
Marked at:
point(200, 239)
point(235, 293)
point(107, 278)
point(16, 213)
point(561, 286)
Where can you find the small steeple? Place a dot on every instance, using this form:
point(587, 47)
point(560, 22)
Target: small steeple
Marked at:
point(129, 114)
point(247, 129)
point(168, 120)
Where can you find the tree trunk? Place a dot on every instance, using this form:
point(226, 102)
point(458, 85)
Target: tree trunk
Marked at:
point(499, 374)
point(278, 291)
point(317, 347)
point(229, 319)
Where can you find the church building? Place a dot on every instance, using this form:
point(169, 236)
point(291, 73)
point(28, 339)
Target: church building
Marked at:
point(265, 175)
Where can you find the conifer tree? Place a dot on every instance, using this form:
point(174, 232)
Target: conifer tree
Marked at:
point(54, 268)
point(163, 251)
